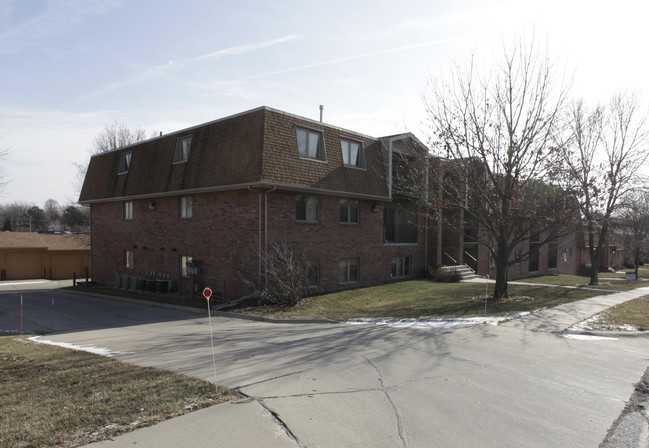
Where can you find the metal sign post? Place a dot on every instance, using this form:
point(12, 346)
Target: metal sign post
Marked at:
point(207, 293)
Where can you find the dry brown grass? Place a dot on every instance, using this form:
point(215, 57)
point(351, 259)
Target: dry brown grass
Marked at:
point(52, 396)
point(634, 313)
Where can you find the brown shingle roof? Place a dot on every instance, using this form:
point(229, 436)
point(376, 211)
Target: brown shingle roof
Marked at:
point(66, 242)
point(31, 240)
point(258, 147)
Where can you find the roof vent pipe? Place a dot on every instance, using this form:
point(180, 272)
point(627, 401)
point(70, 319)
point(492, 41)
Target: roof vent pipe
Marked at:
point(321, 109)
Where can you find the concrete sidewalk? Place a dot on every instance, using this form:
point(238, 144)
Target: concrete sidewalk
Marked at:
point(30, 285)
point(295, 410)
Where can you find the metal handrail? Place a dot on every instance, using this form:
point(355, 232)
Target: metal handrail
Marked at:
point(471, 256)
point(452, 259)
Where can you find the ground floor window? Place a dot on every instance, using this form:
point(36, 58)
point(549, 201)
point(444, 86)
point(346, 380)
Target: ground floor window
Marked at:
point(535, 244)
point(312, 272)
point(348, 270)
point(186, 263)
point(400, 266)
point(400, 223)
point(128, 259)
point(552, 254)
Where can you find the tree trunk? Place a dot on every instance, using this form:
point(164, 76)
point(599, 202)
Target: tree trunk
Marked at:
point(501, 288)
point(594, 257)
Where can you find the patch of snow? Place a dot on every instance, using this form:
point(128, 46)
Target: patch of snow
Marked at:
point(431, 323)
point(593, 324)
point(84, 348)
point(587, 337)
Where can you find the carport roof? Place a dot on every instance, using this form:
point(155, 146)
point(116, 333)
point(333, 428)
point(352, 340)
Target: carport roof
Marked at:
point(32, 240)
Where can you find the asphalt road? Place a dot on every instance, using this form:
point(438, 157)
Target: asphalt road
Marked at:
point(521, 384)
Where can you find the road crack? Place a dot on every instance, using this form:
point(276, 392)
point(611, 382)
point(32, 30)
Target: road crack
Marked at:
point(278, 419)
point(384, 389)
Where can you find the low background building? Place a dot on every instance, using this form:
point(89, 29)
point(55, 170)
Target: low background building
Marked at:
point(29, 255)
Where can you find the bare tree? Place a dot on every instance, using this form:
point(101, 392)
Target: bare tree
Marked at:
point(601, 155)
point(633, 225)
point(4, 153)
point(115, 135)
point(53, 210)
point(492, 130)
point(287, 275)
point(15, 218)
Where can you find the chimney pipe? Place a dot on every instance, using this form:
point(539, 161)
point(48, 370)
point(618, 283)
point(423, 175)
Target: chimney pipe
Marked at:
point(321, 109)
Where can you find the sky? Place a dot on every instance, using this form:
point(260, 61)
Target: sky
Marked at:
point(70, 67)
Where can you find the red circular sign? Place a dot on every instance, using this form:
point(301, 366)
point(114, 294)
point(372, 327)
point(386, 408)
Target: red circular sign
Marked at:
point(207, 292)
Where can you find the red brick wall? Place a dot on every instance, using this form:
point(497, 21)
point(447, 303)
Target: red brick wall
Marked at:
point(223, 237)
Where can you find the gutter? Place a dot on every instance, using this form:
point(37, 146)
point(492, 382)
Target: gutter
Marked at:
point(233, 187)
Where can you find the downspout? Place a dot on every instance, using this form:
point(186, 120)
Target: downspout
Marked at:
point(259, 246)
point(266, 230)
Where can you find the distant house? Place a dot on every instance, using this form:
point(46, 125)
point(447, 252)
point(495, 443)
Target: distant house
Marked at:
point(199, 206)
point(28, 255)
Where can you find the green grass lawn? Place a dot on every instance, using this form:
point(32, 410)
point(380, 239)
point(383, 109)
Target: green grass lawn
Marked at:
point(52, 396)
point(424, 299)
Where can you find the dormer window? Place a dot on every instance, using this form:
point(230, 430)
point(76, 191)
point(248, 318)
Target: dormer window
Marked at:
point(124, 163)
point(182, 149)
point(310, 144)
point(353, 154)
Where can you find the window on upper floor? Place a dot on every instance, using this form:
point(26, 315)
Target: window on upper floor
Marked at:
point(310, 144)
point(348, 270)
point(183, 145)
point(124, 163)
point(307, 208)
point(186, 207)
point(353, 153)
point(349, 211)
point(128, 210)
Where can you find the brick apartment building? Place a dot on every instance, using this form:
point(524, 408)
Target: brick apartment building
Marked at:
point(216, 195)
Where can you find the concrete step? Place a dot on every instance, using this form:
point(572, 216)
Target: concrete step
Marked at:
point(465, 271)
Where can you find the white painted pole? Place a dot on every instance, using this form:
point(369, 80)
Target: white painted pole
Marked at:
point(209, 314)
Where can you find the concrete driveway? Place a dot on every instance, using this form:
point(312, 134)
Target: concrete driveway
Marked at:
point(520, 384)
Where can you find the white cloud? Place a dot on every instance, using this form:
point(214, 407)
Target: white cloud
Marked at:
point(182, 65)
point(59, 17)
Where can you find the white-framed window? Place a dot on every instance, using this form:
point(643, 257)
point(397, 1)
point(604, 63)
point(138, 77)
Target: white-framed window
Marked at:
point(310, 144)
point(185, 262)
point(128, 259)
point(353, 153)
point(183, 145)
point(400, 266)
point(124, 163)
point(349, 211)
point(348, 270)
point(307, 208)
point(186, 207)
point(128, 210)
